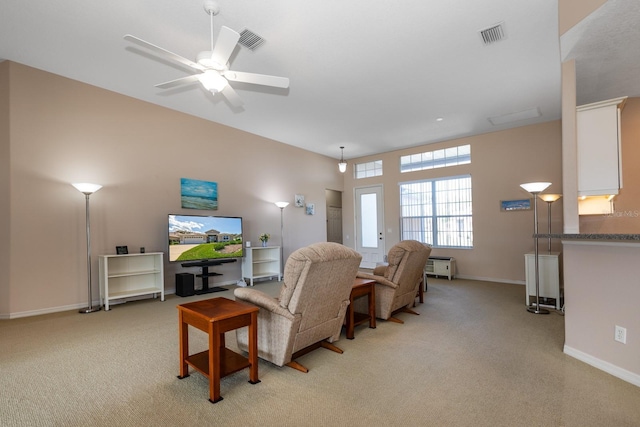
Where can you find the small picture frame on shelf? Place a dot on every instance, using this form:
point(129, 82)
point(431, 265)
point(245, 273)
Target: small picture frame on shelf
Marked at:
point(122, 250)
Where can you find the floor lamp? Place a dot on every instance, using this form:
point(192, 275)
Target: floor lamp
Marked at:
point(88, 189)
point(282, 205)
point(549, 198)
point(536, 188)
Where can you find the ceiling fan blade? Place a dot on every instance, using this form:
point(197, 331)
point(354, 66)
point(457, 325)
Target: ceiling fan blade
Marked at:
point(232, 96)
point(257, 79)
point(178, 82)
point(164, 52)
point(227, 40)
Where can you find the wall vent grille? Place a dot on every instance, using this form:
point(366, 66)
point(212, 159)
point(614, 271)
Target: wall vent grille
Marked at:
point(493, 34)
point(250, 40)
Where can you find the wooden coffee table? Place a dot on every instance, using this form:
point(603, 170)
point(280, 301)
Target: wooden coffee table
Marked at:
point(361, 287)
point(216, 316)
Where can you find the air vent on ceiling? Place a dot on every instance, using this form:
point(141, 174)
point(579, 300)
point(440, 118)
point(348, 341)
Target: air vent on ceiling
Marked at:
point(493, 34)
point(250, 40)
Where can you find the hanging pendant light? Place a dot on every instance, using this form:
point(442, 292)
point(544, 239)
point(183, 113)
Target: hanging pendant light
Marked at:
point(342, 165)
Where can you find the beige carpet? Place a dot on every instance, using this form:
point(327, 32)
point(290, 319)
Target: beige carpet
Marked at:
point(474, 356)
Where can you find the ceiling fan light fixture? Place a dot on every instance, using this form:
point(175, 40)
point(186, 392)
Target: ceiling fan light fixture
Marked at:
point(342, 165)
point(212, 81)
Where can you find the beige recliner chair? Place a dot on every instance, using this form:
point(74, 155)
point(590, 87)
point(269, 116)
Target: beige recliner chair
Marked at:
point(310, 310)
point(398, 280)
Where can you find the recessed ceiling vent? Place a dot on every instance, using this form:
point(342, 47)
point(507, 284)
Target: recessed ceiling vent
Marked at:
point(250, 40)
point(493, 34)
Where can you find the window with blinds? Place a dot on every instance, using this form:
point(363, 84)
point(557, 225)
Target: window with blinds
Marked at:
point(452, 156)
point(438, 212)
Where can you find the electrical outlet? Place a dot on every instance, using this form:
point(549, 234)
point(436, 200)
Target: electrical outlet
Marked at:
point(621, 334)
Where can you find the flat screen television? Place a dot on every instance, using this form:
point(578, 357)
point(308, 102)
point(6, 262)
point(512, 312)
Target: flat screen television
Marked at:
point(201, 238)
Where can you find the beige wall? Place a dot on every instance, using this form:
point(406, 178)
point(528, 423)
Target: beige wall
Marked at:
point(63, 131)
point(600, 278)
point(570, 12)
point(569, 148)
point(602, 291)
point(5, 164)
point(501, 161)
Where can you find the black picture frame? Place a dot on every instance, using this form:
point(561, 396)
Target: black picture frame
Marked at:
point(122, 250)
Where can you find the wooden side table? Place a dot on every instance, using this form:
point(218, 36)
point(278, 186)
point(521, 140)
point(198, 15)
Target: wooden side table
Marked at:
point(361, 287)
point(216, 316)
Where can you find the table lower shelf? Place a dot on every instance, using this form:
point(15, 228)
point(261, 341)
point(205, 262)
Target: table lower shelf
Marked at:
point(360, 318)
point(230, 362)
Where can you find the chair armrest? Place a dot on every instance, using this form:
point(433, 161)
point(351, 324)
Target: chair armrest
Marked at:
point(262, 300)
point(378, 279)
point(380, 269)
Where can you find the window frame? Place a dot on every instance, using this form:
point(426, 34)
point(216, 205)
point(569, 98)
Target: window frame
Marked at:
point(435, 159)
point(376, 166)
point(430, 223)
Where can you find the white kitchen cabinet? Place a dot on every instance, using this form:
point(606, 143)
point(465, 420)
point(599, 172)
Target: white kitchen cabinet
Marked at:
point(549, 264)
point(598, 147)
point(261, 262)
point(131, 275)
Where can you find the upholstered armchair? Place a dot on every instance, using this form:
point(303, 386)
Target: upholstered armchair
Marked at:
point(311, 308)
point(398, 280)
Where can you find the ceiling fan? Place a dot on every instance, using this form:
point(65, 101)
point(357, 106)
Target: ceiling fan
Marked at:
point(212, 65)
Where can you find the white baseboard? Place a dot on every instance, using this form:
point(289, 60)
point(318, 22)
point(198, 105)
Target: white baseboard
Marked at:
point(48, 310)
point(607, 367)
point(490, 279)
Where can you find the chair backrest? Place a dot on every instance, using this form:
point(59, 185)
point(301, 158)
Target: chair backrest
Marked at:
point(406, 263)
point(317, 280)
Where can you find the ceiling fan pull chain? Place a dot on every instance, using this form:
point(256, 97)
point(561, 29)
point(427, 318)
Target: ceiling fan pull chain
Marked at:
point(211, 18)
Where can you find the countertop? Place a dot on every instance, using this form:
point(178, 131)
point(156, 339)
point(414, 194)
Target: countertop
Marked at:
point(610, 237)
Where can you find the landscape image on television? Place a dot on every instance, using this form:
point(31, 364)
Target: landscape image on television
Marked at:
point(195, 237)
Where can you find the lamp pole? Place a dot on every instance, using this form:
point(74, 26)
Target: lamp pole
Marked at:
point(536, 188)
point(282, 205)
point(549, 198)
point(88, 189)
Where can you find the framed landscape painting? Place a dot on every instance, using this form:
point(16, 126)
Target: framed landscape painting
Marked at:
point(196, 194)
point(515, 205)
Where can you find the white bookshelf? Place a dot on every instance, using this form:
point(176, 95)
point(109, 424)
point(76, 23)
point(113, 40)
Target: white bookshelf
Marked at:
point(261, 262)
point(131, 275)
point(440, 266)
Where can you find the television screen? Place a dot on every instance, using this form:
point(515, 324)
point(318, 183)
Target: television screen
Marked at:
point(202, 238)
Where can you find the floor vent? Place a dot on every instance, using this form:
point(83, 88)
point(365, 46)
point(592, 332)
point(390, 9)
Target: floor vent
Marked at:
point(492, 34)
point(250, 40)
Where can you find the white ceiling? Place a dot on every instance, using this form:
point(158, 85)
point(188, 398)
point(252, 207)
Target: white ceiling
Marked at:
point(371, 76)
